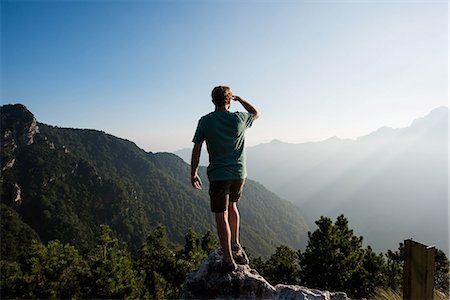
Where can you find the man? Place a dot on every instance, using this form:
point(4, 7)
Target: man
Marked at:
point(224, 133)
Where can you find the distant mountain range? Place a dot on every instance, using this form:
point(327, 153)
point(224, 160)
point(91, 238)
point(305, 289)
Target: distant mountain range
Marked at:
point(62, 183)
point(392, 184)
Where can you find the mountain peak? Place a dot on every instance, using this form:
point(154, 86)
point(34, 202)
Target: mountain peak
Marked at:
point(435, 115)
point(332, 139)
point(18, 124)
point(276, 141)
point(16, 111)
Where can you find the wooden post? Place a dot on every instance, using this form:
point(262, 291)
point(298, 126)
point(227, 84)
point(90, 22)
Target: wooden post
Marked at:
point(418, 271)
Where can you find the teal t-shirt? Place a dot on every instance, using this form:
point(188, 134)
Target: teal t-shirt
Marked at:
point(224, 133)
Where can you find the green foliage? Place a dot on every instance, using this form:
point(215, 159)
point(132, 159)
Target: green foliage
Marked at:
point(12, 284)
point(16, 236)
point(107, 271)
point(209, 242)
point(112, 274)
point(442, 277)
point(282, 267)
point(335, 260)
point(373, 273)
point(164, 268)
point(157, 262)
point(193, 251)
point(394, 268)
point(54, 271)
point(333, 257)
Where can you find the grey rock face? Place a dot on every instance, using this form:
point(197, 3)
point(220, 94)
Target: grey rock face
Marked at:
point(300, 292)
point(17, 193)
point(244, 283)
point(32, 130)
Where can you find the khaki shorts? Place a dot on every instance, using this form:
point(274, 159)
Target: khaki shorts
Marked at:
point(224, 192)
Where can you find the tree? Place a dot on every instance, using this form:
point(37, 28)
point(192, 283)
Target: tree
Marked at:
point(442, 276)
point(209, 242)
point(282, 267)
point(333, 257)
point(193, 252)
point(159, 265)
point(52, 271)
point(372, 274)
point(394, 268)
point(12, 285)
point(112, 274)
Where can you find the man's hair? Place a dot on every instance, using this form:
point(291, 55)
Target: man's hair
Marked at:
point(220, 95)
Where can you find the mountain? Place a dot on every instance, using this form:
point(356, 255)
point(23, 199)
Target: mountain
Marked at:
point(389, 183)
point(392, 184)
point(62, 183)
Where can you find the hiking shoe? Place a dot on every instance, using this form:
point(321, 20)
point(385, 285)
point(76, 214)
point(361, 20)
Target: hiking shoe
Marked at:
point(225, 267)
point(239, 255)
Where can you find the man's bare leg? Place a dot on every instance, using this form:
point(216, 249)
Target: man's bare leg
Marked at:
point(223, 230)
point(234, 222)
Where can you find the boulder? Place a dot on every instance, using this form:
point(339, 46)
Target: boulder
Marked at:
point(244, 283)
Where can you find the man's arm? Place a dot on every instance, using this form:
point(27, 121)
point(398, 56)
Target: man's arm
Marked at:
point(248, 107)
point(195, 179)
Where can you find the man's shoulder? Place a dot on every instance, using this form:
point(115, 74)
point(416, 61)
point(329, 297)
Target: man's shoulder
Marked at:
point(242, 115)
point(206, 117)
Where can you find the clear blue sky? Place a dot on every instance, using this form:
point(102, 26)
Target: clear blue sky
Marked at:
point(143, 70)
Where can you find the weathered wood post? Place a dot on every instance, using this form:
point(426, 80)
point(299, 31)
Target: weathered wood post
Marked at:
point(418, 271)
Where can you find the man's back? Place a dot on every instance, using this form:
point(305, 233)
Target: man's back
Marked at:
point(224, 133)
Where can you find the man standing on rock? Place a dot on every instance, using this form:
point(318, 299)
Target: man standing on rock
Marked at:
point(224, 133)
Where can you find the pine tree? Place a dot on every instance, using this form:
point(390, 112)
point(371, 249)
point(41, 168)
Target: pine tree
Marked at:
point(159, 265)
point(112, 274)
point(209, 242)
point(442, 276)
point(394, 268)
point(283, 266)
point(193, 252)
point(371, 275)
point(332, 257)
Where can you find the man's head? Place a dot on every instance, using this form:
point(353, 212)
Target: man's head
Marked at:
point(221, 96)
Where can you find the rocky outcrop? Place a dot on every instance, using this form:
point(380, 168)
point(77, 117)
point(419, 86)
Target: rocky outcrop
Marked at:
point(244, 283)
point(18, 128)
point(28, 137)
point(17, 194)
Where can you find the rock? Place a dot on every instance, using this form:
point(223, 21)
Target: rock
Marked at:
point(9, 164)
point(17, 193)
point(32, 130)
point(244, 283)
point(299, 292)
point(18, 124)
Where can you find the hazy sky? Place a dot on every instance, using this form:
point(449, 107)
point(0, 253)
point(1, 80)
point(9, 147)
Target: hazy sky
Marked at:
point(144, 70)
